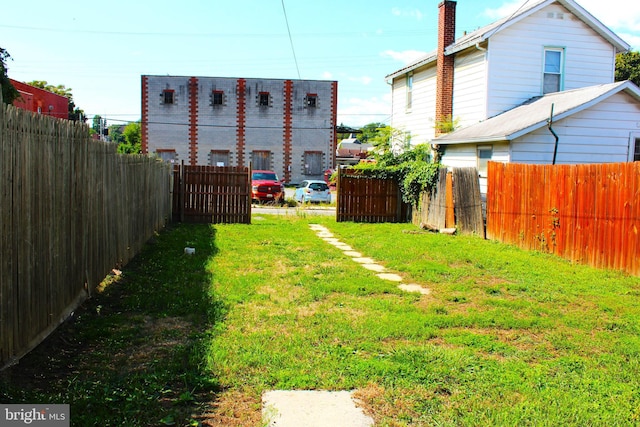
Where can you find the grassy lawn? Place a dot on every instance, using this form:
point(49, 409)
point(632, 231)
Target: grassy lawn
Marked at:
point(506, 337)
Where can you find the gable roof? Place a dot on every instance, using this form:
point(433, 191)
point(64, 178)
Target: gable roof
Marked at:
point(483, 34)
point(535, 112)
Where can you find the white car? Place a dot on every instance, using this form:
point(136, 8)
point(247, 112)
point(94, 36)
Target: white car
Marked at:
point(312, 191)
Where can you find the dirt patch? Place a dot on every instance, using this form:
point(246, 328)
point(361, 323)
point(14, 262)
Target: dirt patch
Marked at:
point(233, 409)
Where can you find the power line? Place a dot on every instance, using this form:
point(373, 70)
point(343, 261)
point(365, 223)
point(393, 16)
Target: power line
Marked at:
point(284, 11)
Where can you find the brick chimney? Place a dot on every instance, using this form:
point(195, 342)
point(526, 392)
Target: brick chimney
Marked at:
point(444, 78)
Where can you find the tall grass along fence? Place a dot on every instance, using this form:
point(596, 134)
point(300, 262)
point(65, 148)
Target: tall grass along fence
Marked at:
point(454, 202)
point(366, 199)
point(71, 210)
point(585, 213)
point(212, 194)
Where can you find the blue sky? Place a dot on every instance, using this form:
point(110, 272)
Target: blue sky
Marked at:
point(100, 50)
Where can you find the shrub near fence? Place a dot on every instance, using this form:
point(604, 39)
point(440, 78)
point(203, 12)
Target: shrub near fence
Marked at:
point(586, 213)
point(71, 210)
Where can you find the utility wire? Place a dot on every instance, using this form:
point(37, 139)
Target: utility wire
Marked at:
point(284, 11)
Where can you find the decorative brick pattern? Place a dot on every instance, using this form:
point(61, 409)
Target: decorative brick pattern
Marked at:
point(445, 63)
point(193, 121)
point(241, 90)
point(144, 125)
point(333, 143)
point(287, 123)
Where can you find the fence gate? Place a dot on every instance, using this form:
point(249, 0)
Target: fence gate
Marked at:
point(211, 194)
point(366, 199)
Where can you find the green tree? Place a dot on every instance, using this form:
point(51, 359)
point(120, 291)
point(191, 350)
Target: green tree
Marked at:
point(628, 66)
point(370, 131)
point(96, 125)
point(115, 134)
point(9, 93)
point(133, 137)
point(75, 113)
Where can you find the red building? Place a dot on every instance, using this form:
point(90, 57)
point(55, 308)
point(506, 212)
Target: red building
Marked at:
point(41, 101)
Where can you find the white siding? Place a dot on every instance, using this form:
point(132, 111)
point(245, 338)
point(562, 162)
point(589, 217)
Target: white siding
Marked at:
point(466, 156)
point(516, 57)
point(419, 120)
point(470, 88)
point(599, 134)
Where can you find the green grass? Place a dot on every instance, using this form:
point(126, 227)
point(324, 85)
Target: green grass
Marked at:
point(506, 337)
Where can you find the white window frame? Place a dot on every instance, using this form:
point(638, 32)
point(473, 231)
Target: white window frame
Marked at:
point(634, 142)
point(409, 92)
point(559, 73)
point(481, 162)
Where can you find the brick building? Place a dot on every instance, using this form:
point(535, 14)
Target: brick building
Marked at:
point(40, 101)
point(283, 125)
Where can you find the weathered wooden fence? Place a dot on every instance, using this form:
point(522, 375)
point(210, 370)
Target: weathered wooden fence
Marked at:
point(455, 202)
point(586, 213)
point(212, 194)
point(365, 199)
point(71, 210)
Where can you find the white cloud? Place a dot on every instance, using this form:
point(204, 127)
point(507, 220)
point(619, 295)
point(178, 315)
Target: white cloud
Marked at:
point(405, 56)
point(327, 75)
point(365, 80)
point(412, 13)
point(506, 9)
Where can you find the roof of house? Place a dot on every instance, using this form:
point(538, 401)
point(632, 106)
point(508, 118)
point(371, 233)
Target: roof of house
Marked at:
point(483, 34)
point(535, 113)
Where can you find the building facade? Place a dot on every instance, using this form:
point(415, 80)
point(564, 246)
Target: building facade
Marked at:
point(287, 126)
point(40, 101)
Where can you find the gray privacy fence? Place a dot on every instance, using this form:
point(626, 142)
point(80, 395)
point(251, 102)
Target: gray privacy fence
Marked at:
point(71, 209)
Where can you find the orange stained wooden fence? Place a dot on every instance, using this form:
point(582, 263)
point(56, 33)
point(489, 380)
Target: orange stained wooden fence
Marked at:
point(212, 194)
point(586, 213)
point(366, 199)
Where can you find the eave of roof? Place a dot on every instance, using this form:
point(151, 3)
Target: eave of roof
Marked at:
point(534, 114)
point(483, 34)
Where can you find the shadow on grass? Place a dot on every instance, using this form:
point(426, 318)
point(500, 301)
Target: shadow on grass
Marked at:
point(133, 354)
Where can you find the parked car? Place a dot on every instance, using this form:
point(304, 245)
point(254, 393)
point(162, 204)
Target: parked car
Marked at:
point(266, 187)
point(313, 191)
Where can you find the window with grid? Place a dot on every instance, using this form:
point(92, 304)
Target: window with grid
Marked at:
point(217, 97)
point(552, 77)
point(636, 153)
point(485, 153)
point(168, 96)
point(263, 99)
point(311, 100)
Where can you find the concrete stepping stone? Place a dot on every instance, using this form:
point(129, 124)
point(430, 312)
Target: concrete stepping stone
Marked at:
point(312, 408)
point(364, 260)
point(390, 277)
point(353, 254)
point(415, 288)
point(374, 267)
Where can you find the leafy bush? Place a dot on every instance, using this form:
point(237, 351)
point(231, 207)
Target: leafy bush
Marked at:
point(413, 168)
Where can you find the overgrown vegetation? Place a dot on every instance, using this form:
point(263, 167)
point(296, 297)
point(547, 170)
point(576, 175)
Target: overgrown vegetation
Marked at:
point(411, 167)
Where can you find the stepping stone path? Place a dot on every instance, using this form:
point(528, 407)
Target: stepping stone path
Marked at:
point(316, 408)
point(368, 263)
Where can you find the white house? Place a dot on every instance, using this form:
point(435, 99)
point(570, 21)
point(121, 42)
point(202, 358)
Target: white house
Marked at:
point(550, 63)
point(288, 126)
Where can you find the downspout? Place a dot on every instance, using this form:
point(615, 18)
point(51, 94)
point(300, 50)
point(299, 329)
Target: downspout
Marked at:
point(555, 135)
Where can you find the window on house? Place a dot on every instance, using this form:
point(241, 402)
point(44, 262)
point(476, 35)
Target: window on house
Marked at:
point(168, 96)
point(313, 163)
point(552, 77)
point(167, 155)
point(219, 158)
point(261, 160)
point(409, 90)
point(636, 153)
point(217, 97)
point(263, 99)
point(484, 155)
point(312, 100)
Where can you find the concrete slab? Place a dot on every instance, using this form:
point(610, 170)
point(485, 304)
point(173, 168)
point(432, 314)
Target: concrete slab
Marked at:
point(312, 408)
point(415, 288)
point(353, 254)
point(390, 276)
point(364, 260)
point(374, 267)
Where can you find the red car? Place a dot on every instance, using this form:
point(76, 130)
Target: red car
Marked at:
point(266, 187)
